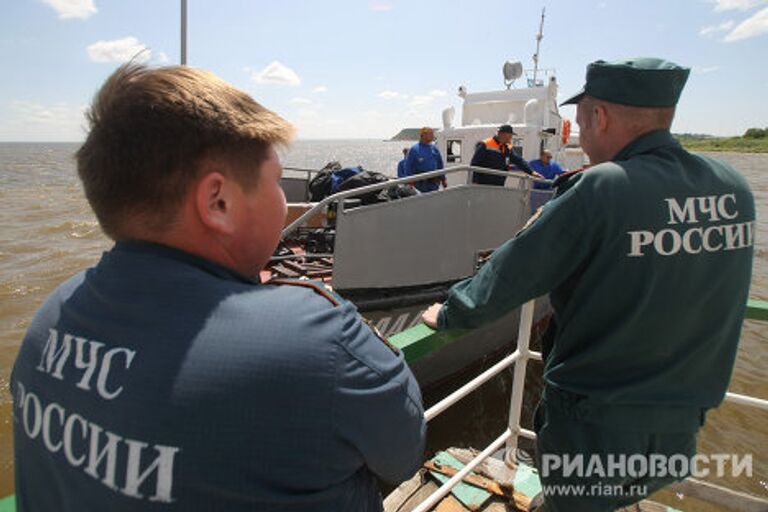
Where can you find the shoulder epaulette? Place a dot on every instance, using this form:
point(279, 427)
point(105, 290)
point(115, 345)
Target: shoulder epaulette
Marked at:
point(316, 286)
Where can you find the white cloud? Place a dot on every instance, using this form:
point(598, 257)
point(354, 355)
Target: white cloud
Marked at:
point(713, 29)
point(419, 101)
point(380, 6)
point(161, 58)
point(320, 88)
point(66, 9)
point(276, 73)
point(438, 93)
point(738, 5)
point(751, 27)
point(392, 95)
point(119, 50)
point(301, 101)
point(706, 70)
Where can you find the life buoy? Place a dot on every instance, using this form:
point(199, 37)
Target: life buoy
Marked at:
point(565, 131)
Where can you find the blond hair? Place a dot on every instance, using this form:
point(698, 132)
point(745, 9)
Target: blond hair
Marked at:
point(149, 131)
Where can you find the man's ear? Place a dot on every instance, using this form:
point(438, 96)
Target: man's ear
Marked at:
point(601, 117)
point(214, 202)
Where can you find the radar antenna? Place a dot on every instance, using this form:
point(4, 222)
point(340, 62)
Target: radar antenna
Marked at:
point(539, 37)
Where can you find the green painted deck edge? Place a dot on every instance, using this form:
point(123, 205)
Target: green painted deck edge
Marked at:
point(8, 504)
point(757, 309)
point(420, 340)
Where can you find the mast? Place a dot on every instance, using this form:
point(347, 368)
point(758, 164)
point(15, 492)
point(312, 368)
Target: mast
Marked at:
point(183, 59)
point(539, 37)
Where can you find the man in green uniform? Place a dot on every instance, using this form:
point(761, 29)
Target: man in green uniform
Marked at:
point(648, 285)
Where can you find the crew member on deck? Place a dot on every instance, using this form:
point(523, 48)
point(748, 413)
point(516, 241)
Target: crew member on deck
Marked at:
point(424, 157)
point(166, 377)
point(497, 153)
point(547, 167)
point(401, 172)
point(649, 285)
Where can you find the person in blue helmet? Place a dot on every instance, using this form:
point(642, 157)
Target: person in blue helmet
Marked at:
point(649, 283)
point(168, 377)
point(424, 157)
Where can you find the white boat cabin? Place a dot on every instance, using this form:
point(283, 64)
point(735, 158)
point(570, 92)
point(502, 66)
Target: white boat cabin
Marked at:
point(532, 111)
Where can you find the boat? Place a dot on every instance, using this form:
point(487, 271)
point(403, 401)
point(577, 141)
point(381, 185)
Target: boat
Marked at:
point(531, 110)
point(394, 259)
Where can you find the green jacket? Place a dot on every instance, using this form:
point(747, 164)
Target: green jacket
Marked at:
point(648, 259)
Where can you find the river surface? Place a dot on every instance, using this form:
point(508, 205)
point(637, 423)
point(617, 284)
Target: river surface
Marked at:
point(48, 233)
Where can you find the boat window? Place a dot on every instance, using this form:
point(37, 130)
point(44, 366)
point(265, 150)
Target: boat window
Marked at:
point(517, 145)
point(453, 151)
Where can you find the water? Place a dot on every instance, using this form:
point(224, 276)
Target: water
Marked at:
point(49, 233)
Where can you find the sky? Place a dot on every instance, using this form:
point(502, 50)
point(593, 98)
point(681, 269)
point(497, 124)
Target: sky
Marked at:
point(366, 69)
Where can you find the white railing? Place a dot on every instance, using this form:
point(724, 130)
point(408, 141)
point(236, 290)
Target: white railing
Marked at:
point(510, 436)
point(750, 401)
point(520, 357)
point(339, 196)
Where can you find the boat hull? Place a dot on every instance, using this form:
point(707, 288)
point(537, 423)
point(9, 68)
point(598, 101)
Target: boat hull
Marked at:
point(392, 313)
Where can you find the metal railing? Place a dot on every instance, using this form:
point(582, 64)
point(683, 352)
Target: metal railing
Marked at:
point(520, 358)
point(340, 196)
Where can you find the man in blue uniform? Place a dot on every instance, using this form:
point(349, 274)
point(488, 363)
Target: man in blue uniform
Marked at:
point(649, 285)
point(547, 168)
point(497, 153)
point(167, 377)
point(425, 157)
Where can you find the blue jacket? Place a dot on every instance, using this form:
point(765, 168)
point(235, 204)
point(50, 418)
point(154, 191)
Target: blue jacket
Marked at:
point(401, 172)
point(161, 381)
point(550, 171)
point(424, 158)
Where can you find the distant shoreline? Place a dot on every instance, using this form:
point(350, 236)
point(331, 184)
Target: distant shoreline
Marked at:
point(724, 144)
point(691, 143)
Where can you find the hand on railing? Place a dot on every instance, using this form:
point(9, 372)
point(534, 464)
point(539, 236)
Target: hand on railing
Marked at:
point(429, 316)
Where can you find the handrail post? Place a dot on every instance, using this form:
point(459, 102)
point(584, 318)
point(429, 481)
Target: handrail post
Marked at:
point(518, 381)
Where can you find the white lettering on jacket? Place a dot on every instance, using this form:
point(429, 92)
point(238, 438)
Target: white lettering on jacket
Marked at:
point(683, 238)
point(87, 358)
point(99, 453)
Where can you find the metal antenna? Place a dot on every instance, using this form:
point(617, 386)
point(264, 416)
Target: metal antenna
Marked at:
point(183, 32)
point(539, 37)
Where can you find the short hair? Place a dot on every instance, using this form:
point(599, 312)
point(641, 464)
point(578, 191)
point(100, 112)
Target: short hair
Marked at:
point(149, 131)
point(637, 119)
point(425, 129)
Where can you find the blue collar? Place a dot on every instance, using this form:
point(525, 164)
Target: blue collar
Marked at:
point(167, 252)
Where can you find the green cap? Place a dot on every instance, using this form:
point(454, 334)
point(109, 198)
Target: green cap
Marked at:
point(640, 82)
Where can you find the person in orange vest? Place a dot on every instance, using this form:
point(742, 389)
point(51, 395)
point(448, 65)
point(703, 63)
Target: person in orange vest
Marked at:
point(496, 153)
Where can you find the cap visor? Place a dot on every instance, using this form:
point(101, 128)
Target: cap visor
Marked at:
point(574, 99)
